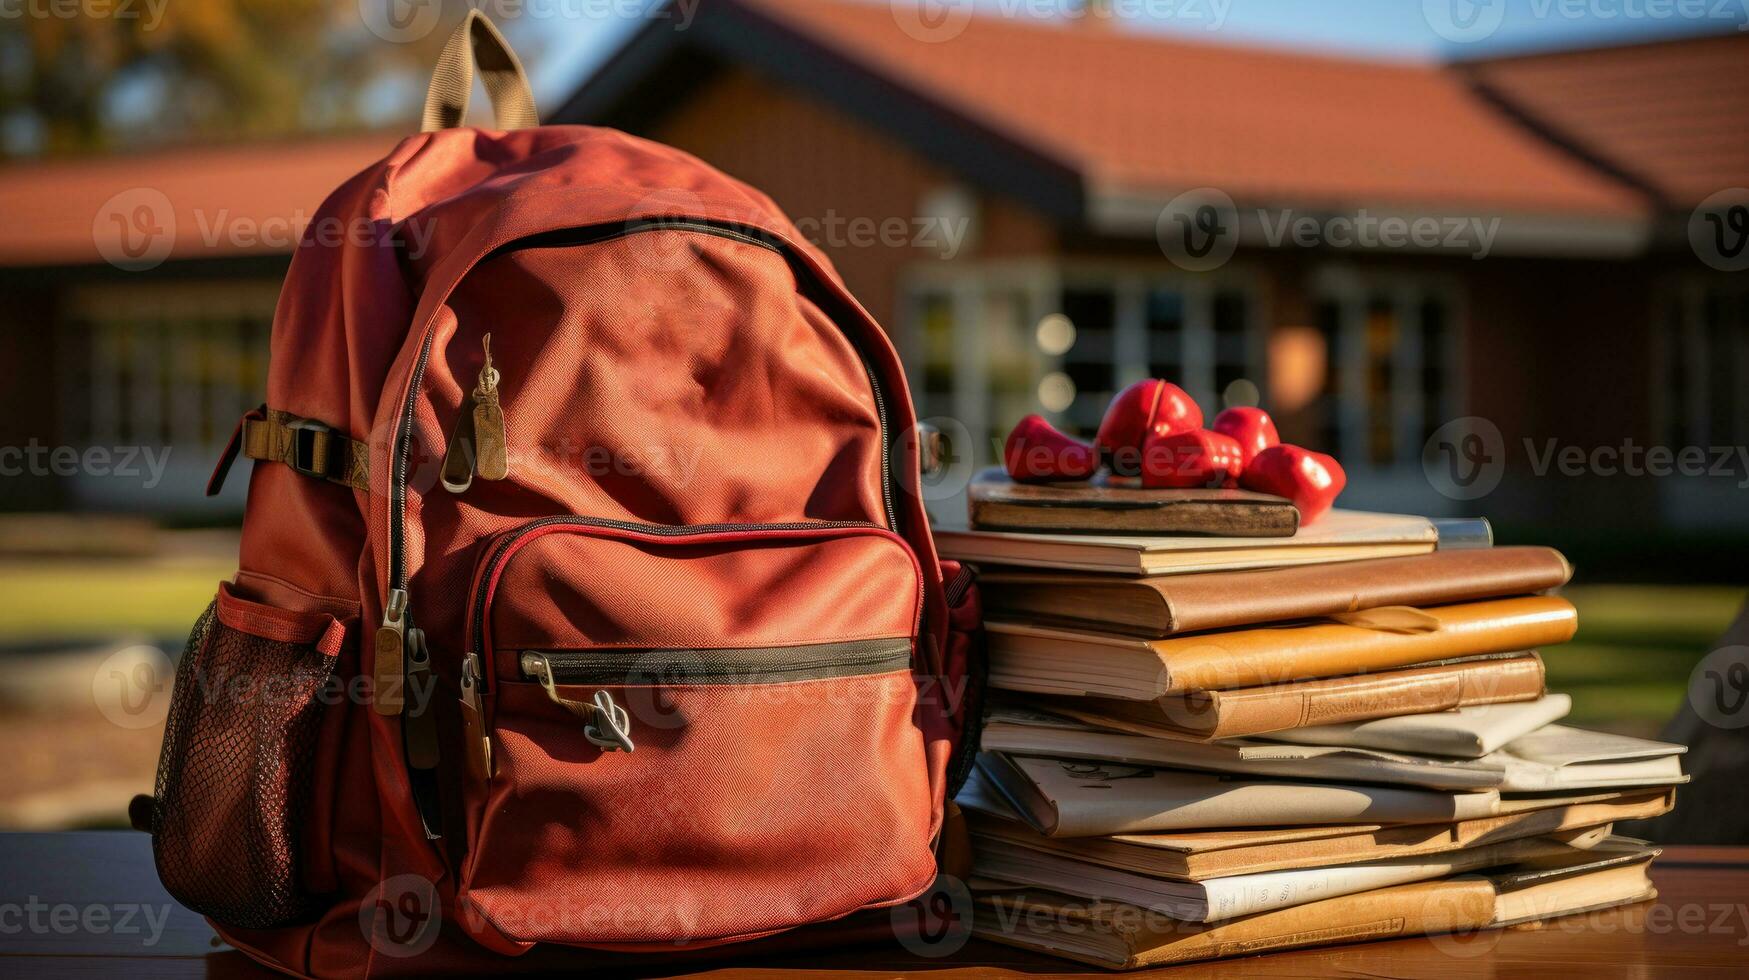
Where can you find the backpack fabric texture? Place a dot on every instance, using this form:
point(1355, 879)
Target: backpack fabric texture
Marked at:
point(660, 659)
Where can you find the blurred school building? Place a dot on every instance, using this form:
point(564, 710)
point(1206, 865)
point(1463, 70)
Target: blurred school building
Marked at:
point(1027, 207)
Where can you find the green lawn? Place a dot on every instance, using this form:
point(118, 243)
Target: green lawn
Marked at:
point(51, 601)
point(1628, 667)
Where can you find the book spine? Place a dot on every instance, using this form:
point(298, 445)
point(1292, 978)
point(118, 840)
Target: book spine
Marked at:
point(1458, 905)
point(1258, 710)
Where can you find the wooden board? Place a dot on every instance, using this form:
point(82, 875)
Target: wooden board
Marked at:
point(111, 874)
point(1111, 505)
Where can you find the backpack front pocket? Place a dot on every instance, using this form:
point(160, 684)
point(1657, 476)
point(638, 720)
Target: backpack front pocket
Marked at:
point(692, 734)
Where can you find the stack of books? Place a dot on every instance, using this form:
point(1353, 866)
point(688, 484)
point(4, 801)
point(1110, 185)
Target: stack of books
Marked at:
point(1211, 746)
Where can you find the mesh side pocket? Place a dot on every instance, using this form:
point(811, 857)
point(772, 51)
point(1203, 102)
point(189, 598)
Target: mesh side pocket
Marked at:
point(235, 777)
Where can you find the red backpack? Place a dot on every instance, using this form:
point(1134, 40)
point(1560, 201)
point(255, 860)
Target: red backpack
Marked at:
point(586, 596)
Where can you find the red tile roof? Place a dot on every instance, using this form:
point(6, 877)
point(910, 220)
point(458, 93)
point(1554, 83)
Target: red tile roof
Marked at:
point(1673, 115)
point(1143, 114)
point(226, 200)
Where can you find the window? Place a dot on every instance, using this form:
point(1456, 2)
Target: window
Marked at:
point(169, 367)
point(1390, 369)
point(1704, 350)
point(988, 346)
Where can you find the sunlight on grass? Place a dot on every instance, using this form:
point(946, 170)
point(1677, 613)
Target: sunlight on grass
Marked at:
point(55, 601)
point(1628, 667)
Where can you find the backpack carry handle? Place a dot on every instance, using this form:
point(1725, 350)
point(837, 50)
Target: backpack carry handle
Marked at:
point(452, 81)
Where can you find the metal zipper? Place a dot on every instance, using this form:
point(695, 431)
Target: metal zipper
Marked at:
point(731, 665)
point(591, 236)
point(477, 625)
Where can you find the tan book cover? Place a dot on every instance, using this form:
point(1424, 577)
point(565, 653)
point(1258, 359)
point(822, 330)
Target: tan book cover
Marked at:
point(1047, 660)
point(1166, 605)
point(1255, 711)
point(1125, 937)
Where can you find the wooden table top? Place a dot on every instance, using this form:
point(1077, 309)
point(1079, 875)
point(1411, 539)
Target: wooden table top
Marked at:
point(85, 904)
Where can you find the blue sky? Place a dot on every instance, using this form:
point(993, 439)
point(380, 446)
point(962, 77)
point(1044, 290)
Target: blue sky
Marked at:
point(1380, 28)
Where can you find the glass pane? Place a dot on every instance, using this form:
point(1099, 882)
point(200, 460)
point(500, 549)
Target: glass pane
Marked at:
point(1382, 333)
point(1165, 317)
point(1721, 383)
point(1675, 375)
point(1012, 359)
point(1436, 380)
point(1327, 408)
point(935, 334)
point(1090, 364)
point(1232, 350)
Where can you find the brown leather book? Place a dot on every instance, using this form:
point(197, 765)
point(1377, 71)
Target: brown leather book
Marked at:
point(1108, 505)
point(1256, 710)
point(1045, 660)
point(1126, 937)
point(1168, 605)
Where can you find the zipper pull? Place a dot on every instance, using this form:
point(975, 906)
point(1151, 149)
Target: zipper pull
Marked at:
point(478, 444)
point(474, 721)
point(391, 643)
point(491, 450)
point(605, 723)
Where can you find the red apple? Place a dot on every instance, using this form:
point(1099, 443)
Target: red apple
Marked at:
point(1311, 480)
point(1253, 427)
point(1198, 458)
point(1148, 407)
point(1037, 453)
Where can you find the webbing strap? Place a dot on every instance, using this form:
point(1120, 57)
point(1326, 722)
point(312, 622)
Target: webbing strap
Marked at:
point(476, 41)
point(308, 446)
point(312, 448)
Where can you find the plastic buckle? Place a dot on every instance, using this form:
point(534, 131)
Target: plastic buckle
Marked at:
point(303, 457)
